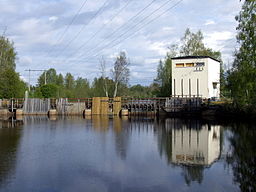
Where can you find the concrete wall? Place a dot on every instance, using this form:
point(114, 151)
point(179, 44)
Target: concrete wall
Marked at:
point(195, 80)
point(67, 108)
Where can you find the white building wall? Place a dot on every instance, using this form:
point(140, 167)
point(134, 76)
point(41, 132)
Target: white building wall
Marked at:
point(213, 77)
point(196, 80)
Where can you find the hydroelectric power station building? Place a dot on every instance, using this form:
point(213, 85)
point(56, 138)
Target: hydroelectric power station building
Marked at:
point(196, 76)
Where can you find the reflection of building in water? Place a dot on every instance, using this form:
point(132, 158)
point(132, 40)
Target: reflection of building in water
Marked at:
point(189, 144)
point(196, 146)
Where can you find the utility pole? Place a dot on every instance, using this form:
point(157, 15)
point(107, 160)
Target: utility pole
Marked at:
point(34, 70)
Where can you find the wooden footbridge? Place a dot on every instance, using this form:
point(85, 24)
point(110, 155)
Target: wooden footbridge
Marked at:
point(128, 106)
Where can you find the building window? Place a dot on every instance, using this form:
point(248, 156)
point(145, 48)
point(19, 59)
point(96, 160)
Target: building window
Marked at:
point(200, 64)
point(180, 65)
point(214, 84)
point(190, 64)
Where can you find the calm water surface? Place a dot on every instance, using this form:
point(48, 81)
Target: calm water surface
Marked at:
point(102, 154)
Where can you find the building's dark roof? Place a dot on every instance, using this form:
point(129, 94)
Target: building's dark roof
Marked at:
point(194, 57)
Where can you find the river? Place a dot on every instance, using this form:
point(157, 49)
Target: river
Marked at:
point(73, 154)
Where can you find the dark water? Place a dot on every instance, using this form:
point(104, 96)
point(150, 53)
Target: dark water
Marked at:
point(101, 154)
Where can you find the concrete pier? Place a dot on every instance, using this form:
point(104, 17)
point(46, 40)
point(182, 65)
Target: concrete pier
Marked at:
point(124, 112)
point(87, 112)
point(4, 112)
point(52, 112)
point(19, 112)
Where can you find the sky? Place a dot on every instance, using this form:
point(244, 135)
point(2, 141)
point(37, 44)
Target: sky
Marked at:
point(73, 35)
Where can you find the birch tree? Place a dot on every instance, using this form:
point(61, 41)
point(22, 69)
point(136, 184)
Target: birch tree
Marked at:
point(120, 72)
point(103, 75)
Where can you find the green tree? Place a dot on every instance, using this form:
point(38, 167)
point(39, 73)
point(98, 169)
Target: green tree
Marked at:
point(164, 74)
point(10, 84)
point(192, 43)
point(51, 77)
point(7, 54)
point(49, 91)
point(242, 77)
point(97, 89)
point(60, 80)
point(120, 72)
point(82, 88)
point(140, 91)
point(69, 81)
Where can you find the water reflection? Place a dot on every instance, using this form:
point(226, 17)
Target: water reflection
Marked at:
point(100, 123)
point(9, 141)
point(242, 155)
point(113, 154)
point(120, 128)
point(122, 136)
point(191, 145)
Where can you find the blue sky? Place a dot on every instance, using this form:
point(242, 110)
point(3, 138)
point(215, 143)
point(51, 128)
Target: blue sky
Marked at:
point(45, 39)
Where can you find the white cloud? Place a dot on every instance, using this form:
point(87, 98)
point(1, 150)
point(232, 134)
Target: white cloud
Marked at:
point(159, 47)
point(53, 18)
point(217, 39)
point(209, 22)
point(168, 28)
point(220, 35)
point(25, 60)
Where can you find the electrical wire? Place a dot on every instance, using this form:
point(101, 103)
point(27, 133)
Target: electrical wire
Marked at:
point(67, 28)
point(98, 31)
point(150, 21)
point(131, 19)
point(84, 26)
point(131, 28)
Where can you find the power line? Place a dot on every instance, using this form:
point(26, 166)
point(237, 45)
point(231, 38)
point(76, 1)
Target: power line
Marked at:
point(132, 18)
point(150, 21)
point(68, 26)
point(33, 70)
point(84, 26)
point(97, 32)
point(131, 28)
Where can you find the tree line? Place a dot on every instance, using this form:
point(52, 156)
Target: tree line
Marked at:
point(109, 84)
